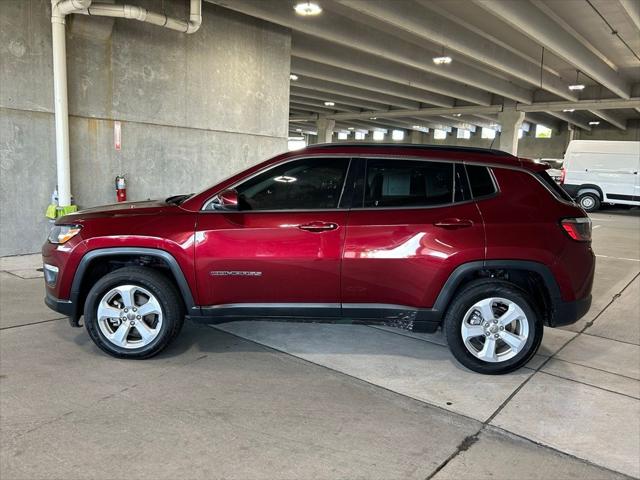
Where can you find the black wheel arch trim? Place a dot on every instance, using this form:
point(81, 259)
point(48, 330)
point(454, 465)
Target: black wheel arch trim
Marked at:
point(163, 255)
point(455, 279)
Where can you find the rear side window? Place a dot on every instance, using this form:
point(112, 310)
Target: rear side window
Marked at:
point(408, 183)
point(480, 181)
point(556, 189)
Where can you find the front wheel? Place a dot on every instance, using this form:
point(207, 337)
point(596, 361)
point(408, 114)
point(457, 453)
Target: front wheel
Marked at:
point(492, 328)
point(133, 312)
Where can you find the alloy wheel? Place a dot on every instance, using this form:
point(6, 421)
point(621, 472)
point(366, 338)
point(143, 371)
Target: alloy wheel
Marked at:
point(129, 316)
point(495, 329)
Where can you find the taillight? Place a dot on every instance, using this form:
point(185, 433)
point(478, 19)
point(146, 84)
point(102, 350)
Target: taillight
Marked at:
point(563, 173)
point(579, 229)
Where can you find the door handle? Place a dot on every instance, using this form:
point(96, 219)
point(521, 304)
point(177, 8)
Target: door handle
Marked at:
point(453, 223)
point(318, 226)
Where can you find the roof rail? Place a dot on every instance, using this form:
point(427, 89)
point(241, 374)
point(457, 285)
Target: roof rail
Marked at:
point(447, 148)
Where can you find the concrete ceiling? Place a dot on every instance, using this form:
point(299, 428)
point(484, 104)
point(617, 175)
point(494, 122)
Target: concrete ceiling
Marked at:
point(373, 58)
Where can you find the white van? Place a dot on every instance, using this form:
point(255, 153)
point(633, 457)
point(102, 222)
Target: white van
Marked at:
point(596, 171)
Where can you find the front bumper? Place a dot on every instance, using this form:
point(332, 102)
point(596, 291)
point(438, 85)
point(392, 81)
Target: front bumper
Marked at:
point(566, 313)
point(64, 307)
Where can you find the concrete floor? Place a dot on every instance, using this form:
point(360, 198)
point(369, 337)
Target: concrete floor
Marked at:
point(252, 400)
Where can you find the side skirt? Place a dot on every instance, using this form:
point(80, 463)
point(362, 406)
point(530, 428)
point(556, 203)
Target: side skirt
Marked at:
point(399, 316)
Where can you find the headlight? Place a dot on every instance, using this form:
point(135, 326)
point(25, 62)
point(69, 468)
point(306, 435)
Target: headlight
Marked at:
point(63, 233)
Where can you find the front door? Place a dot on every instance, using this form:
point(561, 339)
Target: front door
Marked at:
point(280, 252)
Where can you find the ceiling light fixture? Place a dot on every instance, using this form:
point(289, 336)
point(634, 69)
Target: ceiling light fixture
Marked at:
point(307, 9)
point(569, 110)
point(417, 127)
point(350, 128)
point(444, 60)
point(293, 77)
point(577, 85)
point(457, 114)
point(594, 123)
point(373, 118)
point(329, 104)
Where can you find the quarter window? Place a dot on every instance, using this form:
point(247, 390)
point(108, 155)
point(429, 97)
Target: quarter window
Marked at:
point(407, 183)
point(480, 181)
point(308, 184)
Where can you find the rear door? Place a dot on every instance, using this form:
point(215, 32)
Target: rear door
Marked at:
point(412, 225)
point(281, 250)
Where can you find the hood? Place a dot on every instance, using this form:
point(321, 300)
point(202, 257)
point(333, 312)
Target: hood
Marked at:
point(147, 207)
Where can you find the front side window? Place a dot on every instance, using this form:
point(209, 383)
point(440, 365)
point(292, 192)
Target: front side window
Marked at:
point(408, 183)
point(307, 184)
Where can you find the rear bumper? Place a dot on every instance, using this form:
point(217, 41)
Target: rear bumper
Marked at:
point(566, 313)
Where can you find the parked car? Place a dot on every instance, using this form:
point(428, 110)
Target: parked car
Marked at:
point(477, 241)
point(555, 168)
point(599, 171)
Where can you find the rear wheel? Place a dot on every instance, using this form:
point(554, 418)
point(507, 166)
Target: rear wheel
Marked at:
point(133, 312)
point(492, 328)
point(589, 201)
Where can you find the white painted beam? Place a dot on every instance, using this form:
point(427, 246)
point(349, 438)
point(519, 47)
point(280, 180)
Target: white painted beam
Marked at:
point(611, 118)
point(418, 112)
point(603, 104)
point(338, 107)
point(304, 67)
point(312, 108)
point(341, 99)
point(632, 7)
point(543, 30)
point(571, 119)
point(353, 92)
point(335, 55)
point(433, 27)
point(548, 107)
point(362, 37)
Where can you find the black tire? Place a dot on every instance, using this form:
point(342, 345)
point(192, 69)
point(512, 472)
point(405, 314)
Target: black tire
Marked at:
point(465, 299)
point(590, 202)
point(155, 283)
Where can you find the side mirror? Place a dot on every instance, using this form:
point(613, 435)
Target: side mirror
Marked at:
point(228, 200)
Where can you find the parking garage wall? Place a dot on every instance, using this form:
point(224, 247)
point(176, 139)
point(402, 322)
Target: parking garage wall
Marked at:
point(193, 108)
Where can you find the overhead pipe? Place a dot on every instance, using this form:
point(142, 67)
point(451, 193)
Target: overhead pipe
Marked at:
point(143, 15)
point(59, 10)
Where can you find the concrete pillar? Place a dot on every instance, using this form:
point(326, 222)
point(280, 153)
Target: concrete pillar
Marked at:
point(510, 120)
point(325, 129)
point(416, 137)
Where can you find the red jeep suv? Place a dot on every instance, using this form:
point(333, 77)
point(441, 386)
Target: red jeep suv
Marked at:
point(477, 241)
